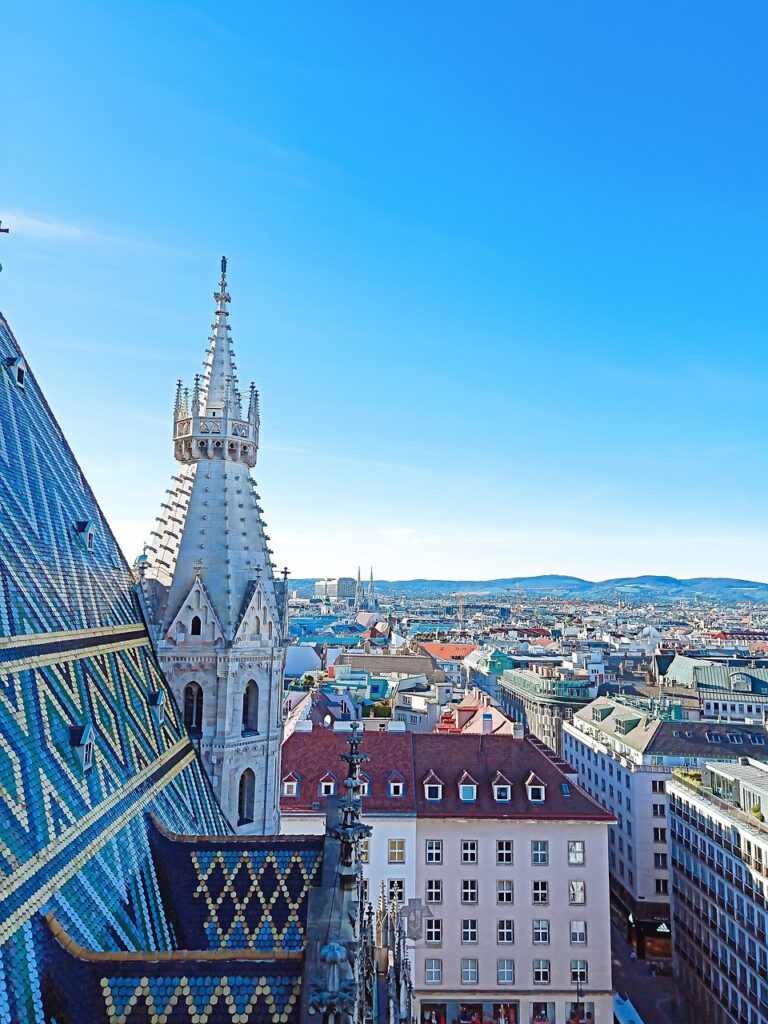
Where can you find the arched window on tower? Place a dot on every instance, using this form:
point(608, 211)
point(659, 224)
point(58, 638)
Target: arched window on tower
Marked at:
point(269, 631)
point(251, 707)
point(193, 708)
point(245, 797)
point(196, 627)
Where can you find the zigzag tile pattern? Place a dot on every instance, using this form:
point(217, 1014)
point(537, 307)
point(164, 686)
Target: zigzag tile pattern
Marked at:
point(77, 843)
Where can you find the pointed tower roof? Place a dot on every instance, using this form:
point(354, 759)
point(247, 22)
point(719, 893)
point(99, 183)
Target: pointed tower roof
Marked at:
point(219, 387)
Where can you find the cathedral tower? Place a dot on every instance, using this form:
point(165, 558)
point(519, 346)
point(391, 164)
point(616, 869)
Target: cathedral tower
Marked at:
point(216, 611)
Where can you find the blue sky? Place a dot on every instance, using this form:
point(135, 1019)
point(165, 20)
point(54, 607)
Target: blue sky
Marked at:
point(499, 270)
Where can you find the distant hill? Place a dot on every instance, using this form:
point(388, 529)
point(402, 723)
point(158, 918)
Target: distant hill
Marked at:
point(636, 589)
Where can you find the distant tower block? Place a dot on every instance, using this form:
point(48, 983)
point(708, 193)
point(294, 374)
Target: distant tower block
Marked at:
point(215, 609)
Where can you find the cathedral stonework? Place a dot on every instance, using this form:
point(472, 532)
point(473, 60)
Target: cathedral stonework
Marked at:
point(215, 609)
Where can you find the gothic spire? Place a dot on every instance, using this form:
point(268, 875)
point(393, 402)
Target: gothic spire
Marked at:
point(220, 378)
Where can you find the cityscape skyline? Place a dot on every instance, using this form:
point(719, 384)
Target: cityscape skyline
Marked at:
point(514, 328)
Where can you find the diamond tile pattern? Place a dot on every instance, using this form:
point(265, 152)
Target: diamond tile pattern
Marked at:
point(85, 827)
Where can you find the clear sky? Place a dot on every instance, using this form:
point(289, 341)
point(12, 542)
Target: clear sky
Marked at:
point(499, 269)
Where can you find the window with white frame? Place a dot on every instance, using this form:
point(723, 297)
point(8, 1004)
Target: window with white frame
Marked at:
point(502, 793)
point(577, 892)
point(536, 794)
point(541, 972)
point(469, 929)
point(433, 971)
point(433, 930)
point(575, 851)
point(468, 971)
point(504, 851)
point(433, 791)
point(396, 889)
point(467, 792)
point(539, 851)
point(578, 972)
point(433, 851)
point(290, 786)
point(541, 933)
point(578, 933)
point(365, 850)
point(540, 892)
point(327, 785)
point(505, 930)
point(396, 787)
point(469, 851)
point(659, 811)
point(505, 972)
point(434, 890)
point(469, 890)
point(396, 851)
point(505, 890)
point(364, 786)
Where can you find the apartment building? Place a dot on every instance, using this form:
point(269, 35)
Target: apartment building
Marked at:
point(543, 697)
point(500, 860)
point(719, 889)
point(624, 751)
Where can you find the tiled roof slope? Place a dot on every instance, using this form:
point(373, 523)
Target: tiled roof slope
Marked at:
point(482, 757)
point(310, 756)
point(83, 895)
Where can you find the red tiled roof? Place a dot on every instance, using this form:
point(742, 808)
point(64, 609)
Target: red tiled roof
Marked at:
point(449, 652)
point(421, 757)
point(483, 756)
point(310, 755)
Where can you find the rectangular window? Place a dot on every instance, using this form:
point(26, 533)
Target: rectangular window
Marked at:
point(396, 889)
point(434, 930)
point(505, 930)
point(541, 972)
point(541, 933)
point(540, 893)
point(659, 811)
point(575, 851)
point(539, 851)
point(577, 893)
point(505, 972)
point(434, 890)
point(505, 891)
point(469, 890)
point(469, 851)
point(433, 971)
point(396, 851)
point(662, 886)
point(365, 850)
point(578, 932)
point(434, 851)
point(468, 971)
point(469, 929)
point(578, 972)
point(659, 835)
point(504, 851)
point(660, 860)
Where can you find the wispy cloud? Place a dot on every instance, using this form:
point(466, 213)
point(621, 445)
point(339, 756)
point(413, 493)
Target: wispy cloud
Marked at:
point(52, 229)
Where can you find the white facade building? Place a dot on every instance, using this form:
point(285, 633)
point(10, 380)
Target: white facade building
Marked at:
point(215, 610)
point(719, 874)
point(624, 756)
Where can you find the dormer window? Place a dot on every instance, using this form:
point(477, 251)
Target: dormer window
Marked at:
point(81, 738)
point(364, 786)
point(537, 791)
point(290, 786)
point(433, 787)
point(156, 701)
point(467, 793)
point(396, 785)
point(17, 369)
point(85, 530)
point(502, 793)
point(327, 785)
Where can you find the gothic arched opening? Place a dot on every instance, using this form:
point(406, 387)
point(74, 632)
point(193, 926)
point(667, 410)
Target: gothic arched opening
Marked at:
point(196, 627)
point(193, 708)
point(251, 707)
point(245, 797)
